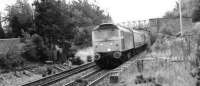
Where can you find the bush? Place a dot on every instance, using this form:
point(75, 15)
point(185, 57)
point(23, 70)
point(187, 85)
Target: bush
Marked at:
point(11, 59)
point(159, 45)
point(34, 50)
point(83, 37)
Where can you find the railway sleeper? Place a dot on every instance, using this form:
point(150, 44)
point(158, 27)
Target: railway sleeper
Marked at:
point(81, 82)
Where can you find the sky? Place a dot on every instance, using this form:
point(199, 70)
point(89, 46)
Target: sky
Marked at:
point(5, 3)
point(125, 10)
point(129, 10)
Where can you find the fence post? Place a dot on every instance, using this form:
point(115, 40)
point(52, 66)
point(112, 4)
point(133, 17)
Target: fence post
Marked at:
point(189, 45)
point(197, 51)
point(140, 65)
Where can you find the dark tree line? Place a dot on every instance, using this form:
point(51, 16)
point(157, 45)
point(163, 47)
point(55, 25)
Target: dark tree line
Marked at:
point(2, 34)
point(196, 13)
point(55, 21)
point(190, 9)
point(19, 18)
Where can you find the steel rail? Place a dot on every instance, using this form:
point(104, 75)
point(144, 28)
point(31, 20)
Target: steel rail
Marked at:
point(73, 83)
point(59, 76)
point(97, 80)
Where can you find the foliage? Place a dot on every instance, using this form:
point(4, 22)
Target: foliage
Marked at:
point(56, 22)
point(86, 14)
point(167, 31)
point(196, 14)
point(61, 24)
point(35, 50)
point(12, 58)
point(19, 17)
point(83, 37)
point(50, 20)
point(188, 7)
point(173, 26)
point(2, 34)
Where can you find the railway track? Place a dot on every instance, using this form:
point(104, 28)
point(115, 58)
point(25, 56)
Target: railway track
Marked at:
point(94, 77)
point(60, 76)
point(90, 79)
point(98, 78)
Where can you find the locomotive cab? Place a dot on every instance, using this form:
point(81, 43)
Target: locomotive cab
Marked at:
point(108, 43)
point(106, 39)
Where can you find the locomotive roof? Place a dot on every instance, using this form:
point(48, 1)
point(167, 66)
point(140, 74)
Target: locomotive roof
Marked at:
point(102, 26)
point(111, 26)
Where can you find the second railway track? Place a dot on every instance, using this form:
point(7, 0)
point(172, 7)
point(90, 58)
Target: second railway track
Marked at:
point(90, 79)
point(63, 75)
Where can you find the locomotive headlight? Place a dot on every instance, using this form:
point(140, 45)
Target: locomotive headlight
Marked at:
point(109, 49)
point(117, 55)
point(97, 56)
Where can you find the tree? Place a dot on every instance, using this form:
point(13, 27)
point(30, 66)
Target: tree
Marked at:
point(60, 23)
point(50, 20)
point(86, 14)
point(20, 17)
point(188, 7)
point(57, 21)
point(196, 14)
point(2, 34)
point(53, 24)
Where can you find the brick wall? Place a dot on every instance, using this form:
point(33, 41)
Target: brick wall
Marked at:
point(158, 24)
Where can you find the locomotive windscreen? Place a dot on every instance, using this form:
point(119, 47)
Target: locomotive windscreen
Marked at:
point(105, 35)
point(106, 26)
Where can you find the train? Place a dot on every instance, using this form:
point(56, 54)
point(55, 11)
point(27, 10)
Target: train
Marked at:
point(114, 44)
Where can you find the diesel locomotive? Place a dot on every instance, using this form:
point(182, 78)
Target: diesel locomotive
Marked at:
point(113, 44)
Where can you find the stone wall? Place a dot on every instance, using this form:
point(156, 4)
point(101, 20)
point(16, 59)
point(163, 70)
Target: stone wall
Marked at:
point(9, 44)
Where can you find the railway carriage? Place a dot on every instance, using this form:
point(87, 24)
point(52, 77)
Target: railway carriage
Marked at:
point(113, 44)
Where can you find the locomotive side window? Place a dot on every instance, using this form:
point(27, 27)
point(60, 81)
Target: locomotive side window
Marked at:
point(122, 40)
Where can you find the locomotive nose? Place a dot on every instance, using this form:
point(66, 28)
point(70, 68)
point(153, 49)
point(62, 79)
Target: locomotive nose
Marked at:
point(97, 57)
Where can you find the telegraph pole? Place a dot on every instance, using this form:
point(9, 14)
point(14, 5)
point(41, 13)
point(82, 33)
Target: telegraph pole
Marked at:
point(180, 14)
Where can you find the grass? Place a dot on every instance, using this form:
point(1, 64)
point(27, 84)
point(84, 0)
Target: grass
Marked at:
point(170, 73)
point(166, 73)
point(10, 53)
